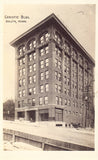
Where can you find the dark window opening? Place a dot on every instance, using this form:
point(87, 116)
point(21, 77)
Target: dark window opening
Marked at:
point(21, 115)
point(44, 117)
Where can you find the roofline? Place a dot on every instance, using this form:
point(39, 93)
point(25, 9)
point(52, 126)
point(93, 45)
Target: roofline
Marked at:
point(61, 24)
point(31, 29)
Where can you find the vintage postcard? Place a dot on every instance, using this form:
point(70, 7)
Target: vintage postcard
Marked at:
point(49, 77)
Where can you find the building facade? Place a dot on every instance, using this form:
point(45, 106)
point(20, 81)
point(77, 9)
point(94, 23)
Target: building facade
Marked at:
point(54, 76)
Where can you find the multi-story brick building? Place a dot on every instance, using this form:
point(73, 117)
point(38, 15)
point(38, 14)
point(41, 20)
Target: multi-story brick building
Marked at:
point(54, 75)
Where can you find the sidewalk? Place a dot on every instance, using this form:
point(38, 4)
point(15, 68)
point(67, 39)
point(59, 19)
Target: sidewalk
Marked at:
point(83, 137)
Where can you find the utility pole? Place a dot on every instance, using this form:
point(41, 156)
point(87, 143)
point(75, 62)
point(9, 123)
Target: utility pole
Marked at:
point(88, 102)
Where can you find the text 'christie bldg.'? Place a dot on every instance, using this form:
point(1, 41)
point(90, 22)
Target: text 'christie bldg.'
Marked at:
point(54, 76)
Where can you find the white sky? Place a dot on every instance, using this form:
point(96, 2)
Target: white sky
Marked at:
point(79, 19)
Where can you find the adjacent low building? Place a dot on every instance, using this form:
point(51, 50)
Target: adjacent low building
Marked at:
point(54, 76)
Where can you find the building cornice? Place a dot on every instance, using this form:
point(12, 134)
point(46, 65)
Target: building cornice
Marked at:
point(52, 18)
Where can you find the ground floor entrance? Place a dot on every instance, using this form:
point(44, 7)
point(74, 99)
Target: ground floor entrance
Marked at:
point(20, 115)
point(31, 116)
point(58, 114)
point(54, 114)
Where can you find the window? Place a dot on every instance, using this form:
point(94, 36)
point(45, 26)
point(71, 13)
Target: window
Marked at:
point(76, 104)
point(67, 60)
point(30, 80)
point(80, 71)
point(81, 60)
point(41, 39)
point(42, 52)
point(23, 82)
point(68, 92)
point(75, 85)
point(42, 64)
point(20, 83)
point(30, 57)
point(56, 63)
point(30, 68)
point(72, 84)
point(42, 76)
point(68, 102)
point(20, 94)
point(59, 89)
point(60, 101)
point(41, 88)
point(34, 55)
point(58, 38)
point(34, 67)
point(34, 90)
point(59, 64)
point(30, 91)
point(57, 100)
point(20, 62)
point(67, 47)
point(47, 62)
point(59, 76)
point(65, 80)
point(23, 60)
point(21, 50)
point(47, 35)
point(23, 104)
point(47, 50)
point(24, 49)
point(86, 64)
point(47, 74)
point(32, 44)
point(33, 102)
point(68, 82)
point(65, 91)
point(29, 101)
point(46, 100)
point(65, 101)
point(44, 37)
point(23, 71)
point(56, 88)
point(34, 78)
point(20, 72)
point(56, 75)
point(47, 87)
point(58, 52)
point(74, 53)
point(40, 100)
point(23, 93)
point(67, 70)
point(19, 104)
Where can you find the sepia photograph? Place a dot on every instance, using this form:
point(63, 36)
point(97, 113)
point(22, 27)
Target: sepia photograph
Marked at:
point(49, 77)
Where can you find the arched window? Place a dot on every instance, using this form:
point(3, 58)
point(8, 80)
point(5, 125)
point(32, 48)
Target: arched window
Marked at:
point(44, 37)
point(80, 60)
point(66, 47)
point(21, 50)
point(75, 54)
point(58, 38)
point(31, 44)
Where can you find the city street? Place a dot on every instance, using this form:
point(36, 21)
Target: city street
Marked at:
point(83, 137)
